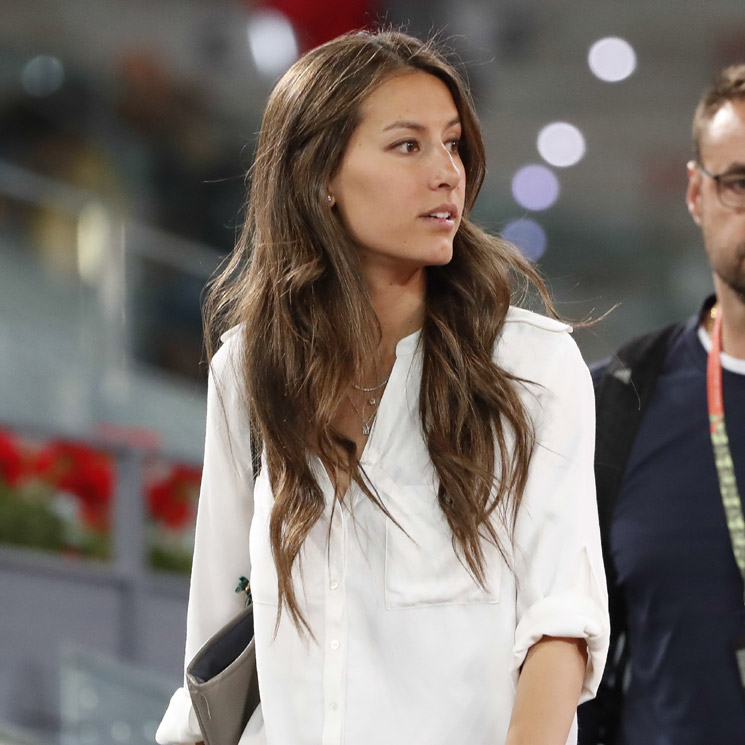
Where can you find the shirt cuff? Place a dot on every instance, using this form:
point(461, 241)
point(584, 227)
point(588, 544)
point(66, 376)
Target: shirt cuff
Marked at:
point(572, 615)
point(179, 723)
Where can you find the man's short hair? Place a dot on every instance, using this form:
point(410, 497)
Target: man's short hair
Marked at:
point(729, 85)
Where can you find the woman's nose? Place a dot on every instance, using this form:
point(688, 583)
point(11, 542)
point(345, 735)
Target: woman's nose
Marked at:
point(447, 171)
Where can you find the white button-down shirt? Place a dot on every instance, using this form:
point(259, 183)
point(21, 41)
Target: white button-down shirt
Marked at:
point(408, 648)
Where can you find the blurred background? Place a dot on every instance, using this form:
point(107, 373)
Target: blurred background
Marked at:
point(126, 128)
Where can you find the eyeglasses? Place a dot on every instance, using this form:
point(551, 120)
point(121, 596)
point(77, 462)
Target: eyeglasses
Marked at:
point(730, 187)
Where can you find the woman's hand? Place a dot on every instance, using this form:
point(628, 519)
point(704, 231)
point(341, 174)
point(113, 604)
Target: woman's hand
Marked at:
point(547, 692)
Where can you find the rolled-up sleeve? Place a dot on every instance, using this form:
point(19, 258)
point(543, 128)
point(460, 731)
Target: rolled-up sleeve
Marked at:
point(558, 560)
point(221, 552)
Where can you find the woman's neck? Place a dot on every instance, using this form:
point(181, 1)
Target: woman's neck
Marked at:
point(398, 301)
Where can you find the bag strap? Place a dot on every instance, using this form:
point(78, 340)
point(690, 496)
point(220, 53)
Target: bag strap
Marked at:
point(623, 390)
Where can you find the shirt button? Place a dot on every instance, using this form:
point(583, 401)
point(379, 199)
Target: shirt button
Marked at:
point(333, 706)
point(333, 584)
point(335, 644)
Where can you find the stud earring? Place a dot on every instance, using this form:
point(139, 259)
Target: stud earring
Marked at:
point(329, 198)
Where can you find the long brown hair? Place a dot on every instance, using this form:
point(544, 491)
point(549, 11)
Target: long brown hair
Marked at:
point(295, 273)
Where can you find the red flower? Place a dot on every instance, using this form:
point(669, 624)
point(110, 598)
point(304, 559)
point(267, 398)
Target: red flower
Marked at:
point(11, 466)
point(86, 473)
point(171, 500)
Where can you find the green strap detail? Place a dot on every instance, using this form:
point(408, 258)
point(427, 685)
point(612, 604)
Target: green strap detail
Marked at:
point(244, 586)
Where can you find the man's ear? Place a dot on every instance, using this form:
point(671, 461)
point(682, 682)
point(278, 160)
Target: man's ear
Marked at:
point(693, 192)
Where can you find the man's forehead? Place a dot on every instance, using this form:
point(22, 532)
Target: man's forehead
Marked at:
point(726, 129)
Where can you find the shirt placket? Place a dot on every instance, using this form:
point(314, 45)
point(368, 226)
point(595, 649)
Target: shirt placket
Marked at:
point(335, 638)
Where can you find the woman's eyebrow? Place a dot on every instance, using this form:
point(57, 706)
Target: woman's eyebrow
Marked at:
point(416, 126)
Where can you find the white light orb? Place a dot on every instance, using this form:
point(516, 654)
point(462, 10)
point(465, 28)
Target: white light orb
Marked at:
point(535, 187)
point(272, 42)
point(528, 236)
point(42, 76)
point(612, 59)
point(561, 144)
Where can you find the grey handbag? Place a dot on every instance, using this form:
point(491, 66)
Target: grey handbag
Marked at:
point(222, 678)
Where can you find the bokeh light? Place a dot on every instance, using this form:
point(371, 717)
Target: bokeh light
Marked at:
point(42, 76)
point(535, 187)
point(528, 236)
point(612, 59)
point(272, 42)
point(561, 144)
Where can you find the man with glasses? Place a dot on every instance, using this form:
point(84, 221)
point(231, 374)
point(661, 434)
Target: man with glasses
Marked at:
point(670, 471)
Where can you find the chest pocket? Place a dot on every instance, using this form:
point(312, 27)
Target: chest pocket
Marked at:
point(421, 566)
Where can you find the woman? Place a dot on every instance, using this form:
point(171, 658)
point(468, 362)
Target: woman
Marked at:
point(422, 535)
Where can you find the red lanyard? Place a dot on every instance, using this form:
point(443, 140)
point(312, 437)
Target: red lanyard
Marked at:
point(720, 443)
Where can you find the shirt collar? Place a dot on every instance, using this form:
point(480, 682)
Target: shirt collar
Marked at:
point(407, 346)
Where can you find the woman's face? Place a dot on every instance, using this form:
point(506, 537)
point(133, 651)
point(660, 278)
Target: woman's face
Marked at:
point(400, 189)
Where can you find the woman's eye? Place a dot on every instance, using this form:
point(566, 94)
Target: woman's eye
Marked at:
point(454, 145)
point(408, 146)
